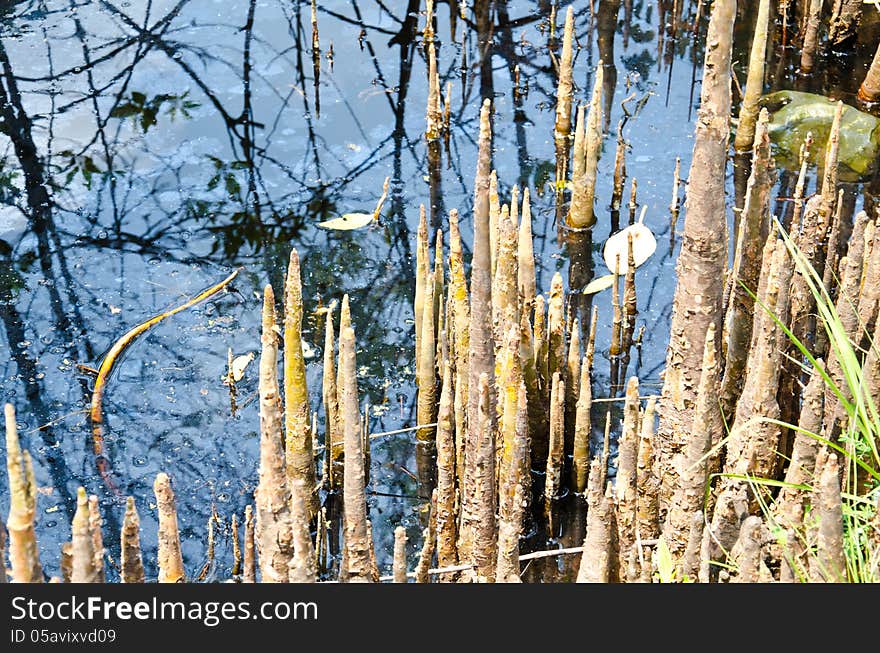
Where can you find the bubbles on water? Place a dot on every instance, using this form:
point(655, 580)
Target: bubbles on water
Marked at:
point(139, 461)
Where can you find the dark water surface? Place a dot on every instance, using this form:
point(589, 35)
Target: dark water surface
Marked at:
point(152, 146)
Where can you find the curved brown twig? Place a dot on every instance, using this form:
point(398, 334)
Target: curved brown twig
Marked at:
point(107, 364)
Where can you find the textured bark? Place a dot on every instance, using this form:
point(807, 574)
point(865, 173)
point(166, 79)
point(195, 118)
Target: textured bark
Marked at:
point(426, 403)
point(788, 508)
point(730, 509)
point(556, 328)
point(830, 563)
point(330, 397)
point(648, 484)
point(537, 406)
point(170, 558)
point(753, 228)
point(355, 515)
point(429, 538)
point(689, 495)
point(626, 493)
point(572, 382)
point(526, 257)
point(565, 89)
point(303, 565)
point(844, 22)
point(505, 292)
point(746, 553)
point(274, 537)
point(690, 560)
point(95, 523)
point(552, 485)
point(481, 358)
point(300, 457)
point(478, 513)
point(249, 575)
point(447, 518)
point(599, 559)
point(748, 111)
point(703, 259)
point(580, 214)
point(83, 568)
point(811, 37)
point(422, 268)
point(869, 91)
point(459, 309)
point(513, 492)
point(753, 443)
point(583, 430)
point(434, 117)
point(846, 306)
point(399, 564)
point(494, 212)
point(24, 554)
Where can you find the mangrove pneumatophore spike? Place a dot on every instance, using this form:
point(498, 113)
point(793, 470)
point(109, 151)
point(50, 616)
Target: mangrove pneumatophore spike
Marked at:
point(481, 356)
point(754, 438)
point(330, 398)
point(302, 567)
point(788, 509)
point(131, 559)
point(83, 569)
point(748, 111)
point(24, 554)
point(526, 256)
point(625, 489)
point(753, 227)
point(494, 212)
point(426, 402)
point(869, 91)
point(249, 575)
point(702, 261)
point(553, 483)
point(513, 492)
point(564, 93)
point(478, 535)
point(422, 267)
point(690, 490)
point(581, 211)
point(434, 117)
point(170, 558)
point(830, 562)
point(505, 291)
point(647, 482)
point(95, 523)
point(458, 307)
point(274, 538)
point(447, 517)
point(429, 539)
point(299, 451)
point(619, 169)
point(844, 20)
point(355, 515)
point(572, 380)
point(811, 36)
point(3, 577)
point(583, 430)
point(399, 563)
point(599, 559)
point(556, 328)
point(746, 553)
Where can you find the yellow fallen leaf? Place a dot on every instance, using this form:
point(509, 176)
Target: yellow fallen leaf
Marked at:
point(348, 221)
point(239, 363)
point(598, 284)
point(644, 245)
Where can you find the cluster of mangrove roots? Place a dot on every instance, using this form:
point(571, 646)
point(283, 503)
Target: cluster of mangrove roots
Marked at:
point(737, 472)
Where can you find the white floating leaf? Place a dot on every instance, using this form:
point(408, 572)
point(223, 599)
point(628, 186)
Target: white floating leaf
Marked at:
point(644, 245)
point(239, 363)
point(599, 284)
point(348, 221)
point(308, 350)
